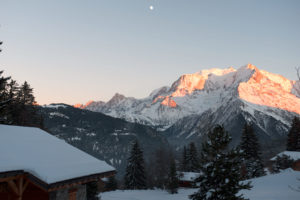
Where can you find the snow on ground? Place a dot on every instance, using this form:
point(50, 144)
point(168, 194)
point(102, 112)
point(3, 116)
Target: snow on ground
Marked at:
point(58, 115)
point(275, 186)
point(54, 106)
point(271, 187)
point(147, 195)
point(293, 154)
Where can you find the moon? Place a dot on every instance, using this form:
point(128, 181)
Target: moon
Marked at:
point(151, 7)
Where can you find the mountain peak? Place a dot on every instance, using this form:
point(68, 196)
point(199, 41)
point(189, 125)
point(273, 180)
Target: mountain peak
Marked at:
point(268, 89)
point(188, 83)
point(83, 106)
point(117, 98)
point(250, 66)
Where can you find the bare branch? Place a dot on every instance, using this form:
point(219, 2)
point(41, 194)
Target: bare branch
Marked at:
point(298, 72)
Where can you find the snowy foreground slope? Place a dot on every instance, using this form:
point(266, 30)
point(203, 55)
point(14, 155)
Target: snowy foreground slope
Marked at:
point(272, 187)
point(280, 186)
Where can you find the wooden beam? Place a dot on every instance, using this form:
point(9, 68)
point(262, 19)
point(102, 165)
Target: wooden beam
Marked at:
point(20, 185)
point(9, 178)
point(34, 183)
point(13, 186)
point(82, 181)
point(25, 185)
point(63, 186)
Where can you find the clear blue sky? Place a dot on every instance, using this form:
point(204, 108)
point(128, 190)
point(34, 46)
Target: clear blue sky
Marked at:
point(76, 50)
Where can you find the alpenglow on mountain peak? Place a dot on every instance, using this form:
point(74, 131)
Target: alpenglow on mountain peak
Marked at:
point(194, 94)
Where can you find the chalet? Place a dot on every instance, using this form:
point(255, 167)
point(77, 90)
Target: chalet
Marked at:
point(187, 179)
point(295, 155)
point(35, 165)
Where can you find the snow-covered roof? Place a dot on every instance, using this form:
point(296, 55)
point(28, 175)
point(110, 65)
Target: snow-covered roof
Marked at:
point(188, 176)
point(295, 155)
point(43, 155)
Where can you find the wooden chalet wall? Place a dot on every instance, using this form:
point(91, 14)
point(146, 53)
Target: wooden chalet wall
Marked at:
point(19, 185)
point(296, 165)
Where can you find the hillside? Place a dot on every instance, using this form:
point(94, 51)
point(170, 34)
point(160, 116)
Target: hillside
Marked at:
point(104, 137)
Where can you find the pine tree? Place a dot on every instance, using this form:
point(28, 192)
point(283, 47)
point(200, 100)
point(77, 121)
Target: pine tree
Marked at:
point(172, 185)
point(26, 95)
point(12, 107)
point(282, 162)
point(17, 104)
point(220, 177)
point(27, 113)
point(192, 159)
point(184, 161)
point(252, 163)
point(111, 184)
point(293, 142)
point(4, 101)
point(135, 172)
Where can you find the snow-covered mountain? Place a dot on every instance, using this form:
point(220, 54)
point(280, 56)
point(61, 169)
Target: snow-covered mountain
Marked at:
point(193, 94)
point(196, 102)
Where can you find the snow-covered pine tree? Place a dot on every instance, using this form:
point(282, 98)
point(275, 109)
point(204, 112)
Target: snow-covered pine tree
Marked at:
point(172, 185)
point(282, 162)
point(220, 175)
point(111, 184)
point(252, 163)
point(192, 159)
point(293, 141)
point(135, 172)
point(184, 161)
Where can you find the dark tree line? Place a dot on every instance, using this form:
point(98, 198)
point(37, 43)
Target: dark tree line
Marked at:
point(17, 103)
point(157, 168)
point(190, 160)
point(161, 172)
point(293, 142)
point(252, 165)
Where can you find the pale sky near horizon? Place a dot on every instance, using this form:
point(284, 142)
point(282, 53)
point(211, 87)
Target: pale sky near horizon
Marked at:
point(71, 51)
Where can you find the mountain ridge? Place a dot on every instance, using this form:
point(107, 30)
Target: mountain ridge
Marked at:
point(196, 93)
